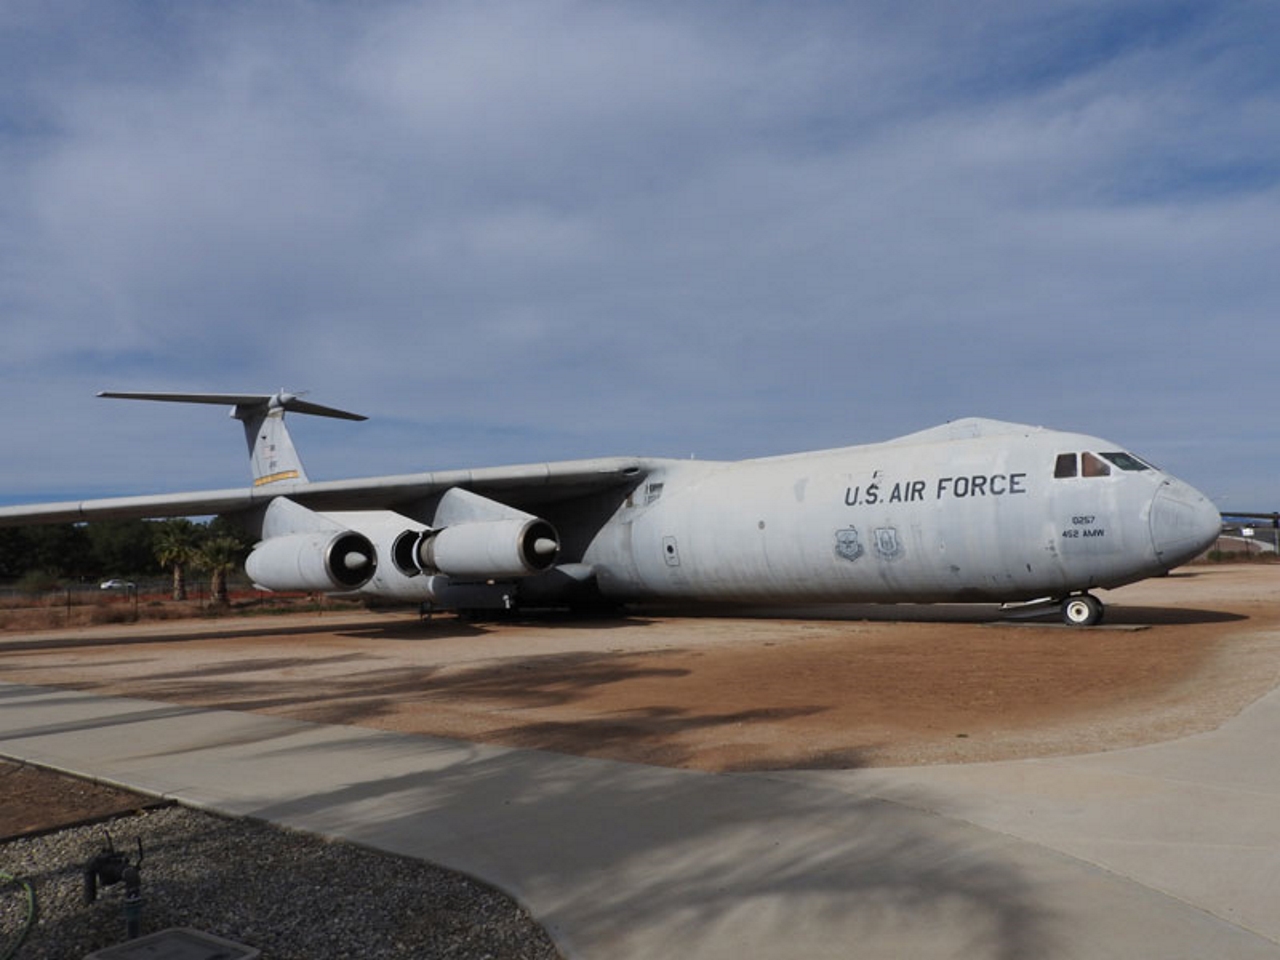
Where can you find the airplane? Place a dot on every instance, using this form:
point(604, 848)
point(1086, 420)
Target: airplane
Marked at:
point(974, 510)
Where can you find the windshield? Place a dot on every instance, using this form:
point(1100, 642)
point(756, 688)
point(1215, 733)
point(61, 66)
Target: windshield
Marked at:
point(1126, 461)
point(1087, 464)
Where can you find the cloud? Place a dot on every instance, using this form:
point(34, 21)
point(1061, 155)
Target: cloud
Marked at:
point(536, 230)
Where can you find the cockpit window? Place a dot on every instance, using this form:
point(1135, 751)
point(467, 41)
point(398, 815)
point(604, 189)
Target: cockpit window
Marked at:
point(1126, 461)
point(1093, 467)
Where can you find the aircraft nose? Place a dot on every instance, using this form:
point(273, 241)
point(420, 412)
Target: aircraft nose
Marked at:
point(1184, 523)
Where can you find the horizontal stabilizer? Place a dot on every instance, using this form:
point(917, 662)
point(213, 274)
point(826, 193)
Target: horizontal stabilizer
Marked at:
point(279, 401)
point(272, 456)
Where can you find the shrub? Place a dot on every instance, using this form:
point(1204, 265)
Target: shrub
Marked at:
point(39, 581)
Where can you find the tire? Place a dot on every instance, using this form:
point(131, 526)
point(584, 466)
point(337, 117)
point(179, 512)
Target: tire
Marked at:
point(1081, 611)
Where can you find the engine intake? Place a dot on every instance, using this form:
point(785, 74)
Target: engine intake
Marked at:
point(490, 549)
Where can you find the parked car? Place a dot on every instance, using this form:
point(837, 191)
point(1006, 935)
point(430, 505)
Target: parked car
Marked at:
point(116, 584)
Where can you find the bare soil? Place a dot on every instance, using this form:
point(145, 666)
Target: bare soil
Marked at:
point(848, 687)
point(33, 800)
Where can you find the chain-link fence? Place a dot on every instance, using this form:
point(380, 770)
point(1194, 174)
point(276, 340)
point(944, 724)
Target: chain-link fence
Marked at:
point(1252, 536)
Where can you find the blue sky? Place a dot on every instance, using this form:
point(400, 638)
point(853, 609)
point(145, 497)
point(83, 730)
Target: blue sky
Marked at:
point(512, 232)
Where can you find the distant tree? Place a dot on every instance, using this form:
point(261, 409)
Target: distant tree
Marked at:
point(15, 552)
point(121, 547)
point(177, 546)
point(63, 549)
point(100, 549)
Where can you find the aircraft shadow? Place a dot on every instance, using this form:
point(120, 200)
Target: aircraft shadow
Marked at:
point(502, 702)
point(1116, 614)
point(451, 627)
point(1152, 616)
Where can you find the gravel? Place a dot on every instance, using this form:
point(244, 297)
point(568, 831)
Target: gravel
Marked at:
point(290, 895)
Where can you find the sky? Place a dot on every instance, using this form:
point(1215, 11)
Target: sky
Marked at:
point(513, 232)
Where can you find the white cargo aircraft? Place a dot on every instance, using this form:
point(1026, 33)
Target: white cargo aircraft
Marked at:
point(972, 511)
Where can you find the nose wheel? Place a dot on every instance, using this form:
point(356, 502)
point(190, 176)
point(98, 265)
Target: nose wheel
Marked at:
point(1082, 610)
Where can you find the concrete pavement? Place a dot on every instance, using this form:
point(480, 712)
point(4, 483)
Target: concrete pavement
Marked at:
point(1166, 851)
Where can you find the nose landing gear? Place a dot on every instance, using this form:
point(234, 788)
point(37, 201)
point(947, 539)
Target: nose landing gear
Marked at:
point(1082, 610)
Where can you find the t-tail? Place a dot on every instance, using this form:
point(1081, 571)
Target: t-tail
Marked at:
point(272, 455)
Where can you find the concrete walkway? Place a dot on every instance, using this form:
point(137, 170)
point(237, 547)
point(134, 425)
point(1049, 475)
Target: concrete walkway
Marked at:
point(1161, 852)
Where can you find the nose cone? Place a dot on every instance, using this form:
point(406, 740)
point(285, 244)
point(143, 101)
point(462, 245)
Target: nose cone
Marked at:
point(1184, 523)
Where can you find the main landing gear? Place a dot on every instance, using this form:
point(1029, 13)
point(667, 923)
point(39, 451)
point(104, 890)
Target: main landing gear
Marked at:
point(1082, 610)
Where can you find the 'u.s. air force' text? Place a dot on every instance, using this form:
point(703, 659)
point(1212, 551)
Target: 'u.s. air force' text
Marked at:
point(917, 491)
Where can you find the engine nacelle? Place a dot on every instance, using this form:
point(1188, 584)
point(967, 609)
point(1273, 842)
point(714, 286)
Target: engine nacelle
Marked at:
point(490, 549)
point(325, 561)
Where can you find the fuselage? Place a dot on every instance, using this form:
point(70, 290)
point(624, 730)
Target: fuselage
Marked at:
point(976, 510)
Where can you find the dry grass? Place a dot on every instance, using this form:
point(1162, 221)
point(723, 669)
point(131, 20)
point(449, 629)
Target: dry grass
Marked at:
point(88, 609)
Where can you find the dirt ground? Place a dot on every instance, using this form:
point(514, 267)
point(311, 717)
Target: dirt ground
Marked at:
point(33, 800)
point(847, 687)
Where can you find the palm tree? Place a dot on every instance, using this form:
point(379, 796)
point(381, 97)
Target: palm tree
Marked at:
point(220, 554)
point(176, 544)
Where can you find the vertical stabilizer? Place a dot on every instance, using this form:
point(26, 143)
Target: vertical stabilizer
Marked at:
point(272, 455)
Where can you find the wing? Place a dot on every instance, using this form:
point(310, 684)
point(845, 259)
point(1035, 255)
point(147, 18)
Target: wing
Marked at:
point(519, 486)
point(451, 538)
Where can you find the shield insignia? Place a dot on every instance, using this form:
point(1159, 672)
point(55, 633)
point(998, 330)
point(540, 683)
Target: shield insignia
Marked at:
point(848, 546)
point(888, 546)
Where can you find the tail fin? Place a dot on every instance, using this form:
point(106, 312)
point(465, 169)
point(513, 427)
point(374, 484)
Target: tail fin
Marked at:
point(272, 455)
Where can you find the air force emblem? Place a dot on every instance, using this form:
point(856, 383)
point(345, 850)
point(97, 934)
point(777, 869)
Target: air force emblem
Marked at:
point(888, 545)
point(848, 546)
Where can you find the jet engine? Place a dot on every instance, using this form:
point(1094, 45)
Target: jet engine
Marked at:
point(328, 560)
point(388, 554)
point(490, 549)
